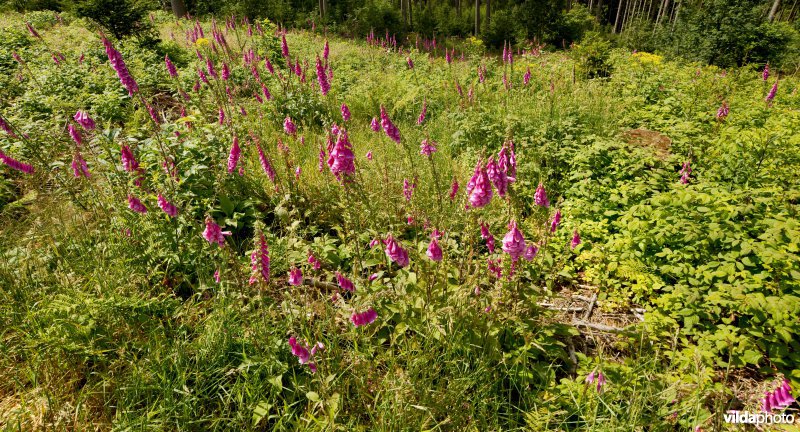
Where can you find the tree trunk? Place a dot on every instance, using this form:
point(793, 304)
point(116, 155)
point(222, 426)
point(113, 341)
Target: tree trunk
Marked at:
point(488, 13)
point(178, 8)
point(477, 17)
point(791, 13)
point(616, 20)
point(677, 11)
point(773, 10)
point(411, 13)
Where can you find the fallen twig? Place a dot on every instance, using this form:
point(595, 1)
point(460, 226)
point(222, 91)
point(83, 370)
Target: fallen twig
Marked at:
point(600, 327)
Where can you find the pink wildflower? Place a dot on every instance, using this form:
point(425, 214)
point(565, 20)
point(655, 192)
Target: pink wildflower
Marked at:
point(540, 197)
point(388, 127)
point(514, 242)
point(479, 190)
point(315, 263)
point(408, 189)
point(427, 147)
point(322, 79)
point(422, 114)
point(345, 112)
point(76, 136)
point(576, 239)
point(434, 252)
point(79, 167)
point(166, 206)
point(213, 233)
point(341, 159)
point(15, 164)
point(136, 205)
point(295, 276)
point(345, 283)
point(364, 318)
point(259, 261)
point(83, 119)
point(115, 58)
point(289, 126)
point(233, 156)
point(396, 252)
point(453, 189)
point(556, 220)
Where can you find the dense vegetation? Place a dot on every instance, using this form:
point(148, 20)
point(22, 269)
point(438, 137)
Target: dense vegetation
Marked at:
point(287, 230)
point(720, 32)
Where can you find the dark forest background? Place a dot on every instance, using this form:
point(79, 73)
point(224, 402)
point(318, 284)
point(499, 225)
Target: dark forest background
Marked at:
point(720, 32)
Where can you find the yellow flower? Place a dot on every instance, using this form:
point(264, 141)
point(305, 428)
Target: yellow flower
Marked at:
point(202, 42)
point(647, 58)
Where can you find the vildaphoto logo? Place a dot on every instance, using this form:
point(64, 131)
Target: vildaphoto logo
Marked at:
point(744, 417)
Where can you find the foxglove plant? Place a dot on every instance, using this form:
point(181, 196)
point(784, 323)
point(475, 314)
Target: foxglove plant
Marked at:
point(434, 251)
point(779, 398)
point(722, 112)
point(166, 206)
point(375, 126)
point(136, 205)
point(284, 47)
point(345, 112)
point(83, 119)
point(530, 252)
point(259, 261)
point(315, 263)
point(421, 118)
point(213, 233)
point(540, 197)
point(555, 221)
point(7, 128)
point(453, 189)
point(234, 155)
point(226, 72)
point(497, 177)
point(364, 318)
point(598, 378)
point(408, 189)
point(486, 235)
point(395, 252)
point(79, 168)
point(322, 79)
point(74, 134)
point(115, 58)
point(304, 353)
point(685, 172)
point(345, 283)
point(342, 160)
point(772, 92)
point(295, 276)
point(128, 160)
point(576, 239)
point(289, 126)
point(171, 69)
point(428, 147)
point(388, 127)
point(479, 189)
point(514, 242)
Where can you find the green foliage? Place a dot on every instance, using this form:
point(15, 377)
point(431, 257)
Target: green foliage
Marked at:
point(120, 17)
point(377, 15)
point(113, 319)
point(592, 55)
